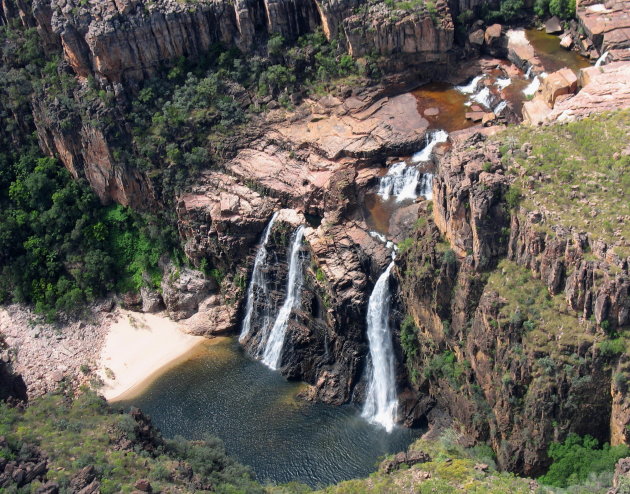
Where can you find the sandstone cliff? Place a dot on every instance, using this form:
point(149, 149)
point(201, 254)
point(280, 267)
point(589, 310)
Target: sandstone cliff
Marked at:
point(510, 351)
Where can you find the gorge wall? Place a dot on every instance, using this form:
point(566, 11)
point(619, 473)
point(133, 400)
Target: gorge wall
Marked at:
point(467, 352)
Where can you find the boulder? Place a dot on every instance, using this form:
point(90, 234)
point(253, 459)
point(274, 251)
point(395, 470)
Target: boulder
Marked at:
point(553, 26)
point(476, 37)
point(410, 458)
point(566, 41)
point(143, 485)
point(496, 44)
point(475, 116)
point(488, 118)
point(131, 300)
point(151, 300)
point(183, 289)
point(564, 81)
point(492, 34)
point(535, 111)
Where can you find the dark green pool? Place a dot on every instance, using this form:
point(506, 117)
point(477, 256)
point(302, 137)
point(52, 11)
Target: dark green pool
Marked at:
point(262, 422)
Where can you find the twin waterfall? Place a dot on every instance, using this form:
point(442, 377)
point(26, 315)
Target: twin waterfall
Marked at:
point(381, 403)
point(269, 348)
point(275, 342)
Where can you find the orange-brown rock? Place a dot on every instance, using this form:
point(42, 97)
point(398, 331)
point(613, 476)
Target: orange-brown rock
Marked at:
point(389, 126)
point(604, 88)
point(606, 24)
point(564, 81)
point(222, 219)
point(126, 40)
point(535, 111)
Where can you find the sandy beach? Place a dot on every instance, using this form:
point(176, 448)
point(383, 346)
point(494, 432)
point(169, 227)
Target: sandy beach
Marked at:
point(137, 347)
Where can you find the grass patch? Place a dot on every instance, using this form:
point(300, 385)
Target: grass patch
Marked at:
point(579, 171)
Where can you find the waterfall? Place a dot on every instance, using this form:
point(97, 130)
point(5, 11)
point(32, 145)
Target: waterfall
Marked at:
point(499, 108)
point(273, 349)
point(402, 181)
point(433, 139)
point(484, 97)
point(257, 282)
point(399, 177)
point(503, 83)
point(528, 74)
point(533, 87)
point(601, 60)
point(426, 186)
point(471, 87)
point(381, 404)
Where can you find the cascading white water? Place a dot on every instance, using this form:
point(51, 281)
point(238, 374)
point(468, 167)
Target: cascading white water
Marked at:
point(533, 86)
point(426, 186)
point(528, 74)
point(257, 282)
point(273, 348)
point(483, 97)
point(499, 108)
point(471, 87)
point(602, 60)
point(402, 181)
point(381, 404)
point(502, 83)
point(433, 140)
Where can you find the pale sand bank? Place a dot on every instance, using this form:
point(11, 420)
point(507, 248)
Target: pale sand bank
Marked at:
point(137, 348)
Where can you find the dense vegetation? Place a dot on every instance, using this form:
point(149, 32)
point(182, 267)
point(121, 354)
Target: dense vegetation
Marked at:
point(87, 432)
point(59, 247)
point(577, 458)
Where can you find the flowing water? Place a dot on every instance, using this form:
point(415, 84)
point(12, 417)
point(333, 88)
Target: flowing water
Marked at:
point(602, 60)
point(450, 103)
point(552, 55)
point(381, 403)
point(273, 348)
point(256, 412)
point(405, 182)
point(258, 283)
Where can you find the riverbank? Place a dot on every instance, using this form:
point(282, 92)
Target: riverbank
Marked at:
point(137, 349)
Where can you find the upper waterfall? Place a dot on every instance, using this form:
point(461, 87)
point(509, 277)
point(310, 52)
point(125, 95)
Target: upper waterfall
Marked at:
point(381, 404)
point(257, 281)
point(402, 181)
point(273, 348)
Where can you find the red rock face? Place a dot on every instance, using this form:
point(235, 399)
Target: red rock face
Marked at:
point(608, 25)
point(126, 40)
point(505, 398)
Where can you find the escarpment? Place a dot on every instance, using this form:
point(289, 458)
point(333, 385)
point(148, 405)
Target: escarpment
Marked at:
point(127, 41)
point(511, 310)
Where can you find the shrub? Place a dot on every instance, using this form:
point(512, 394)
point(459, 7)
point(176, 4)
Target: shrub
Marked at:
point(612, 348)
point(513, 196)
point(577, 457)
